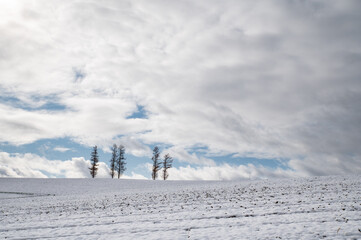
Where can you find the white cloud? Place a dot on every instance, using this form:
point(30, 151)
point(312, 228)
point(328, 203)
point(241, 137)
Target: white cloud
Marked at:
point(246, 78)
point(33, 166)
point(228, 172)
point(62, 149)
point(224, 172)
point(327, 165)
point(134, 176)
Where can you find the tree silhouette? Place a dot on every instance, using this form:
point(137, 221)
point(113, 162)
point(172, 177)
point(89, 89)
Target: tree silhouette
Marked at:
point(113, 160)
point(120, 164)
point(94, 162)
point(167, 163)
point(156, 163)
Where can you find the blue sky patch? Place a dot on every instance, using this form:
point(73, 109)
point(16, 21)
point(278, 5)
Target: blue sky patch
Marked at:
point(50, 104)
point(140, 113)
point(265, 162)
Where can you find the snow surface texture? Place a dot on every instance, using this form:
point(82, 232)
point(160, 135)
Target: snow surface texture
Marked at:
point(312, 208)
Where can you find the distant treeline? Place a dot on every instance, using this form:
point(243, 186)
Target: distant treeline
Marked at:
point(117, 162)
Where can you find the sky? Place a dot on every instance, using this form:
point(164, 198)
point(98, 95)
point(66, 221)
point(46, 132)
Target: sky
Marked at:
point(230, 89)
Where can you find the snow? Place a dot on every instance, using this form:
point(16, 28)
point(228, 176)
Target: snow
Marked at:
point(304, 208)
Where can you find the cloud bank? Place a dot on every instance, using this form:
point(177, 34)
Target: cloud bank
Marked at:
point(34, 166)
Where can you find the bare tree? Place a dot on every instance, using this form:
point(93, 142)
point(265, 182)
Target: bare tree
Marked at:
point(120, 165)
point(156, 163)
point(94, 162)
point(113, 160)
point(167, 163)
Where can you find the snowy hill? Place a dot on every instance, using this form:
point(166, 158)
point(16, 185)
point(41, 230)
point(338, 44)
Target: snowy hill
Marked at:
point(312, 208)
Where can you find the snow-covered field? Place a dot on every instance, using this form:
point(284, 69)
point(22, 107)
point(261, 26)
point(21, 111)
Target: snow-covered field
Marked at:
point(312, 208)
